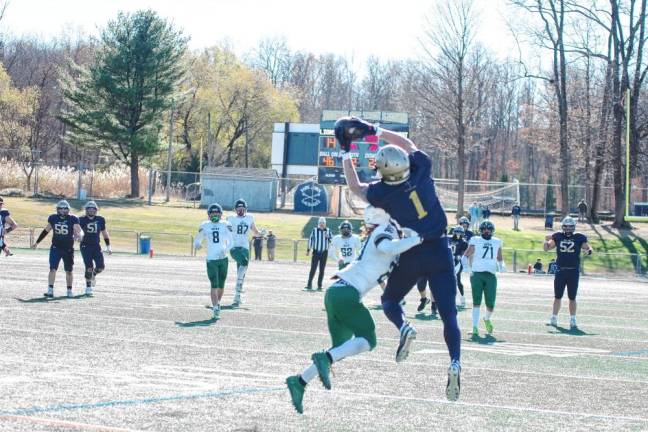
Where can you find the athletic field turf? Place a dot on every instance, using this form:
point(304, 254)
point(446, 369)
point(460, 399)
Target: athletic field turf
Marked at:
point(143, 354)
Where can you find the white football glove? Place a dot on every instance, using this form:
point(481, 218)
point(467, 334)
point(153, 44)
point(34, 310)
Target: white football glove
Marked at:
point(108, 250)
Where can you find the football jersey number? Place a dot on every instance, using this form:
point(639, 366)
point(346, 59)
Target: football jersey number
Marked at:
point(242, 229)
point(91, 228)
point(418, 205)
point(346, 252)
point(487, 248)
point(61, 229)
point(567, 246)
point(215, 236)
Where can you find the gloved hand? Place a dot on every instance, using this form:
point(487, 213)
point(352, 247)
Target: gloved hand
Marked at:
point(348, 129)
point(197, 246)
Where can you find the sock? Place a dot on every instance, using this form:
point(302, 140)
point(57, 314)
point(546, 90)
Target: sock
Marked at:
point(572, 317)
point(50, 286)
point(394, 312)
point(475, 316)
point(240, 276)
point(309, 373)
point(88, 283)
point(349, 348)
point(69, 288)
point(216, 307)
point(487, 314)
point(554, 317)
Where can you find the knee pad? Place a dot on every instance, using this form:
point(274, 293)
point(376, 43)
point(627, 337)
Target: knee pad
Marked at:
point(88, 272)
point(99, 270)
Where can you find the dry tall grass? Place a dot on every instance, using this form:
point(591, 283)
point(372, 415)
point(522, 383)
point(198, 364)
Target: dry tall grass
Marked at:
point(113, 182)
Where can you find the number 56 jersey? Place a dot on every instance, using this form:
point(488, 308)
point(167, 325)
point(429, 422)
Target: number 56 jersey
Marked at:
point(240, 226)
point(484, 258)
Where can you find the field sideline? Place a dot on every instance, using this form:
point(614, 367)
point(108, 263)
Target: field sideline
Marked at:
point(125, 218)
point(143, 355)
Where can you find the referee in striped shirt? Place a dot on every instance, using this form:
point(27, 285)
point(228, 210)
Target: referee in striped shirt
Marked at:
point(319, 242)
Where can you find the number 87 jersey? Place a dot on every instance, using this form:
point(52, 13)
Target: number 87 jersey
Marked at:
point(240, 226)
point(484, 259)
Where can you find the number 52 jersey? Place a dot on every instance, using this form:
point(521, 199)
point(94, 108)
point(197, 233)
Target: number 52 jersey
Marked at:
point(484, 259)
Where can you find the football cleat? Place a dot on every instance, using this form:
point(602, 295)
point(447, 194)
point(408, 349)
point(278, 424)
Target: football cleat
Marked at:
point(407, 336)
point(453, 386)
point(296, 390)
point(49, 293)
point(69, 293)
point(308, 288)
point(319, 288)
point(553, 321)
point(237, 301)
point(424, 302)
point(572, 324)
point(489, 326)
point(323, 365)
point(88, 291)
point(475, 332)
point(216, 311)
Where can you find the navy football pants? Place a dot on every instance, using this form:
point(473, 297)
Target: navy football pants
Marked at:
point(566, 278)
point(432, 260)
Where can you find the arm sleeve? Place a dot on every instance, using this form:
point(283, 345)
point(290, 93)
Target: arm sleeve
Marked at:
point(395, 247)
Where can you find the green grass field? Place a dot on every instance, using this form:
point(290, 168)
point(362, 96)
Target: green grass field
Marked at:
point(171, 228)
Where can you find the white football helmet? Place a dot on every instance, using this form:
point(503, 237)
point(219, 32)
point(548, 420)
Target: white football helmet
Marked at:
point(375, 216)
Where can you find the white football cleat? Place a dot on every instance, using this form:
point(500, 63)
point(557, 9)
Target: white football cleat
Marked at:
point(216, 311)
point(88, 291)
point(572, 324)
point(237, 301)
point(553, 321)
point(69, 293)
point(453, 387)
point(50, 292)
point(407, 336)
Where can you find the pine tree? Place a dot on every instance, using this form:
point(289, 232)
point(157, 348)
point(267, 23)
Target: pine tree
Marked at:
point(119, 102)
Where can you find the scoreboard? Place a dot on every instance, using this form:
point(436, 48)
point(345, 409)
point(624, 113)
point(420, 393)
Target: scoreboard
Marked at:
point(363, 155)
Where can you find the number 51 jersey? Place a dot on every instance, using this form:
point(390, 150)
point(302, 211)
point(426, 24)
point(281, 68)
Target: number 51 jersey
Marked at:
point(484, 258)
point(240, 227)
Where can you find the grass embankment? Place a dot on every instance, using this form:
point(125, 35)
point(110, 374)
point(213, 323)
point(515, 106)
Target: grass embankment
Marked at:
point(171, 228)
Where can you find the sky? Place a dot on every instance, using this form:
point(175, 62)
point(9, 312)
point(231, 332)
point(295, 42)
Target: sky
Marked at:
point(358, 29)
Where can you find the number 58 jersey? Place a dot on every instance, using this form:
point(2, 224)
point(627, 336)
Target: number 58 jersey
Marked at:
point(240, 226)
point(484, 258)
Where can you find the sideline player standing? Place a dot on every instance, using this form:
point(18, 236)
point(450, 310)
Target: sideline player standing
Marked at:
point(66, 230)
point(345, 245)
point(350, 324)
point(92, 225)
point(406, 191)
point(465, 224)
point(568, 246)
point(219, 242)
point(7, 225)
point(483, 260)
point(240, 225)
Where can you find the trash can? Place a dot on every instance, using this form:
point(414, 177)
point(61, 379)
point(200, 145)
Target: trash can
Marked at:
point(145, 245)
point(549, 220)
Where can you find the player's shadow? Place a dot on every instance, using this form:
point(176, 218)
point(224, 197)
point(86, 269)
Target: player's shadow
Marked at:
point(375, 307)
point(44, 299)
point(202, 323)
point(228, 307)
point(422, 316)
point(484, 340)
point(574, 332)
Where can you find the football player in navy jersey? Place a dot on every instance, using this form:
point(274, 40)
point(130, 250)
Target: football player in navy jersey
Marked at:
point(406, 191)
point(92, 225)
point(458, 246)
point(66, 230)
point(7, 224)
point(568, 244)
point(465, 224)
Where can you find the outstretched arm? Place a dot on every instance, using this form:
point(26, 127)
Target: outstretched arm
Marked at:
point(398, 140)
point(398, 246)
point(358, 188)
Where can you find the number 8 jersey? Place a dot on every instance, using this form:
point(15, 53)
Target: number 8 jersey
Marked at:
point(484, 259)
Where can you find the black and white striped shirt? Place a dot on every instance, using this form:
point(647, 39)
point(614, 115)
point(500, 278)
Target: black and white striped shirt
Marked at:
point(320, 239)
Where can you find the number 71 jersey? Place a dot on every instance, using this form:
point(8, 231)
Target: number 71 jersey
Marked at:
point(484, 258)
point(240, 226)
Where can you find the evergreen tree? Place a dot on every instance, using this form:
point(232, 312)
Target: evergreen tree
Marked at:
point(119, 102)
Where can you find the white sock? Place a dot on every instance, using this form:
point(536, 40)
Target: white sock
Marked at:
point(475, 316)
point(350, 348)
point(487, 314)
point(554, 317)
point(240, 276)
point(309, 373)
point(216, 307)
point(572, 317)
